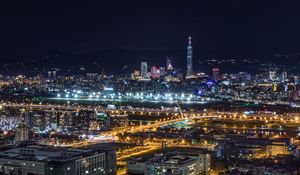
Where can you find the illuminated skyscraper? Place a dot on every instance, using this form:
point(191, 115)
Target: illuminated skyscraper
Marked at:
point(54, 74)
point(189, 70)
point(272, 75)
point(49, 74)
point(154, 72)
point(144, 70)
point(22, 133)
point(284, 76)
point(169, 64)
point(216, 74)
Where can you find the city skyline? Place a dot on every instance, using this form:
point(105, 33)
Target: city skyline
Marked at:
point(150, 87)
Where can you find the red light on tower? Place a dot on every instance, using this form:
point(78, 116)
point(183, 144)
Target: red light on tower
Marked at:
point(216, 74)
point(216, 69)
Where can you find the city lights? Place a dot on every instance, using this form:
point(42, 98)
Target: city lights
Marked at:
point(116, 88)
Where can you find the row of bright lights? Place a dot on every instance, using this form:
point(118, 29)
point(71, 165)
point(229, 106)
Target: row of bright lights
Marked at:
point(166, 96)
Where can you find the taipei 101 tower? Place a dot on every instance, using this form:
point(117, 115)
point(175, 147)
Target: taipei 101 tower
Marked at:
point(189, 70)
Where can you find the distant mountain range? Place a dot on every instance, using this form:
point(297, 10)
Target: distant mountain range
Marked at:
point(127, 60)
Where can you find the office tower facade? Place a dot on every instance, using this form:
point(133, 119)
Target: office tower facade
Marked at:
point(284, 76)
point(189, 70)
point(162, 71)
point(22, 133)
point(49, 74)
point(52, 74)
point(205, 162)
point(91, 164)
point(135, 75)
point(144, 70)
point(154, 72)
point(216, 74)
point(272, 75)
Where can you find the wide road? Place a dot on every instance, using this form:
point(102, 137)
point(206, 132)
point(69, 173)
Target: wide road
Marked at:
point(98, 108)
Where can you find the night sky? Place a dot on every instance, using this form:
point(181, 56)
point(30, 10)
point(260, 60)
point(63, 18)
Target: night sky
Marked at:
point(35, 27)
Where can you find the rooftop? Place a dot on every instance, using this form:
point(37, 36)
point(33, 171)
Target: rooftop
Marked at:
point(45, 153)
point(176, 159)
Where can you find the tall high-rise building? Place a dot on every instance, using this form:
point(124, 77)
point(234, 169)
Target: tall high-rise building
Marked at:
point(54, 74)
point(189, 70)
point(284, 76)
point(49, 74)
point(205, 163)
point(272, 75)
point(216, 74)
point(162, 71)
point(22, 133)
point(169, 64)
point(135, 75)
point(154, 72)
point(144, 70)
